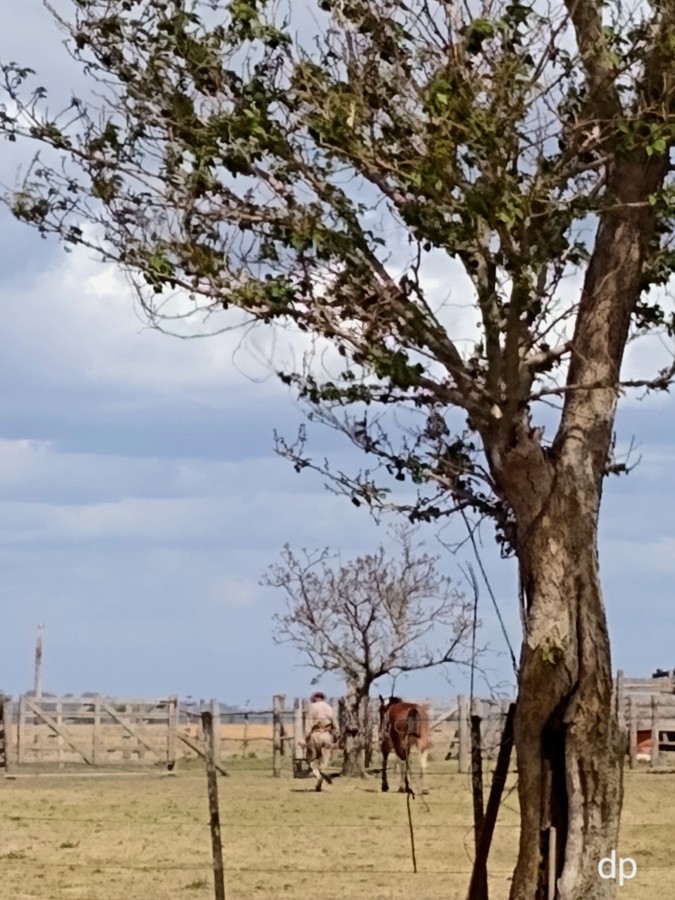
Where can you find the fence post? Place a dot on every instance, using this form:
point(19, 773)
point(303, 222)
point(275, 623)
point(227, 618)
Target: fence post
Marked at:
point(480, 887)
point(244, 742)
point(126, 754)
point(172, 733)
point(618, 697)
point(487, 713)
point(96, 732)
point(215, 731)
point(505, 706)
point(620, 711)
point(632, 741)
point(8, 724)
point(278, 702)
point(463, 733)
point(212, 786)
point(498, 782)
point(298, 733)
point(304, 705)
point(654, 761)
point(552, 862)
point(59, 739)
point(21, 732)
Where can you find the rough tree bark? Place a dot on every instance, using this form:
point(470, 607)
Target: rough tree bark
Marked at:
point(357, 745)
point(564, 720)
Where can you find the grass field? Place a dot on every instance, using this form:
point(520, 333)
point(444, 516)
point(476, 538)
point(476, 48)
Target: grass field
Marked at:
point(146, 836)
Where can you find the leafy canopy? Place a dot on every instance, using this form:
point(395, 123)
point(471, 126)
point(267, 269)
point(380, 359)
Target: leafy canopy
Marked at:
point(314, 179)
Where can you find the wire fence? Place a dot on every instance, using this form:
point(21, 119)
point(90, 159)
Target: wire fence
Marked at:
point(88, 843)
point(189, 828)
point(183, 828)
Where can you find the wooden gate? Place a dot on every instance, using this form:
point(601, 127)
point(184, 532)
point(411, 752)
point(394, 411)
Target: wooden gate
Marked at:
point(96, 731)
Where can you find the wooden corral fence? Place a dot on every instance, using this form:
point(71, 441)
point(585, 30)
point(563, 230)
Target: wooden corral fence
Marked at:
point(252, 732)
point(98, 731)
point(453, 724)
point(646, 708)
point(450, 724)
point(5, 706)
point(92, 730)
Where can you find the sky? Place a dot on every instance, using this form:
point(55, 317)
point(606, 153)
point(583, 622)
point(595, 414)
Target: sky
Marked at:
point(141, 499)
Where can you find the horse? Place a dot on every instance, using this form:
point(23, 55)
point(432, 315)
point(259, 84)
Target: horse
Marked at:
point(402, 727)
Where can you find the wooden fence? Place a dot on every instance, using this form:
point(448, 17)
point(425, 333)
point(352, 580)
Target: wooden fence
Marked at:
point(99, 731)
point(92, 730)
point(646, 707)
point(287, 728)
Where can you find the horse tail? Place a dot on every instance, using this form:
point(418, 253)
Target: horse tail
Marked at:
point(414, 723)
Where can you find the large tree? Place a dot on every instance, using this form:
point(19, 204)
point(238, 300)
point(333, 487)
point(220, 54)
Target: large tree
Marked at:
point(376, 615)
point(226, 155)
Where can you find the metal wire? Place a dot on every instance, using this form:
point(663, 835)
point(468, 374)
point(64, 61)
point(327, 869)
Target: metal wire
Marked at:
point(490, 591)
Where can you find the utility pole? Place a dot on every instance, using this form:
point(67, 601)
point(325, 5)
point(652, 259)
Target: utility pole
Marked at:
point(37, 686)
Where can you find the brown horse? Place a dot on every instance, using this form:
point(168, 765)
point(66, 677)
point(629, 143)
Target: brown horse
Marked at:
point(402, 727)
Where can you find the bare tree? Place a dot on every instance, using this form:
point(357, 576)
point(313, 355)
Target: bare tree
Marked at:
point(372, 616)
point(313, 182)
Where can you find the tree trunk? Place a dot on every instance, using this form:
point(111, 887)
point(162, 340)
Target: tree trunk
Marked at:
point(568, 745)
point(355, 729)
point(569, 749)
point(368, 734)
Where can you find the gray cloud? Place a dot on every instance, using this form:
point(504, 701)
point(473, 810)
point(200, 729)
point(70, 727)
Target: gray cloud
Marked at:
point(140, 500)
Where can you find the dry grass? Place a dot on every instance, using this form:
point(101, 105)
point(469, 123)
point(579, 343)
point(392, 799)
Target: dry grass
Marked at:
point(146, 836)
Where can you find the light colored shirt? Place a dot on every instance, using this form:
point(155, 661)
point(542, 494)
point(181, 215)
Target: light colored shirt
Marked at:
point(321, 715)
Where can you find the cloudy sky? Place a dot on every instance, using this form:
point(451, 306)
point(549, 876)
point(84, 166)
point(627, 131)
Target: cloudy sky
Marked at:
point(141, 500)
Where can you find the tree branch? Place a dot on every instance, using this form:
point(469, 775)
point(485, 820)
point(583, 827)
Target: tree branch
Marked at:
point(601, 72)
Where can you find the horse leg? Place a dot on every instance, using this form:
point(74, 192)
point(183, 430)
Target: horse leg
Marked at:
point(423, 767)
point(385, 783)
